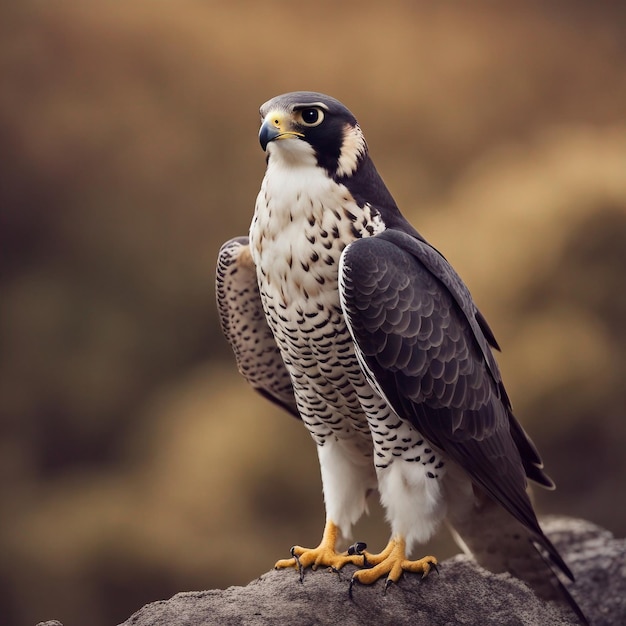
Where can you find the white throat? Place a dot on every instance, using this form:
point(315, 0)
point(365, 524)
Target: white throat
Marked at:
point(303, 219)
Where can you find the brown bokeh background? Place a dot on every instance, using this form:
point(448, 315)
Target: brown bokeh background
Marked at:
point(134, 461)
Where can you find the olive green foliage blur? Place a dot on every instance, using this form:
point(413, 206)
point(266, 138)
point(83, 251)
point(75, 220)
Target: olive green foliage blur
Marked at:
point(134, 461)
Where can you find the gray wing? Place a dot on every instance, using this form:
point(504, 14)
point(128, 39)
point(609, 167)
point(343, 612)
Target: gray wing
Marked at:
point(244, 325)
point(421, 343)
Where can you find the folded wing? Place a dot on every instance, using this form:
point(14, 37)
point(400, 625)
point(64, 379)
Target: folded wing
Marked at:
point(244, 325)
point(421, 343)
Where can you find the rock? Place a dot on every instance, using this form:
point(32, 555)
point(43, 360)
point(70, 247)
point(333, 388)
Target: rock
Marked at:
point(461, 593)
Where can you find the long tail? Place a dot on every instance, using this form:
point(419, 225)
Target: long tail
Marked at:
point(499, 543)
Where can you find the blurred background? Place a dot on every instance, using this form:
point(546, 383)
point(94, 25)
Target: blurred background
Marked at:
point(134, 461)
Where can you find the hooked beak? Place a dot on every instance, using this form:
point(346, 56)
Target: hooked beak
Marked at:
point(276, 125)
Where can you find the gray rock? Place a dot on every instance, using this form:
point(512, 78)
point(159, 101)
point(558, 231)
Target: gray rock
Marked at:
point(461, 593)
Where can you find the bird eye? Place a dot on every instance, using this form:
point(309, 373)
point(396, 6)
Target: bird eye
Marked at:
point(311, 117)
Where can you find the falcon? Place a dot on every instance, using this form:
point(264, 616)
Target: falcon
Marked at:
point(339, 311)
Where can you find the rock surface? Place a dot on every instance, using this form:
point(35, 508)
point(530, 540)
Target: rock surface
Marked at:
point(461, 593)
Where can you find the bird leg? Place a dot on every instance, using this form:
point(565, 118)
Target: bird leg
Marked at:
point(392, 561)
point(324, 555)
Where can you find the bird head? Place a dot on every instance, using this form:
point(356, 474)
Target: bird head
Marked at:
point(304, 124)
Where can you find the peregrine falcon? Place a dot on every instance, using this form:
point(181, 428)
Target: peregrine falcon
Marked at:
point(338, 310)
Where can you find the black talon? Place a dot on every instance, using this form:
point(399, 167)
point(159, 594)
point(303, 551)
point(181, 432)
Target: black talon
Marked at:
point(353, 580)
point(434, 566)
point(388, 584)
point(297, 559)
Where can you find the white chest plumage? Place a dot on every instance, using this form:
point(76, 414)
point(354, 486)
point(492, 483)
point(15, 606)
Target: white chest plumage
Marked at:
point(302, 222)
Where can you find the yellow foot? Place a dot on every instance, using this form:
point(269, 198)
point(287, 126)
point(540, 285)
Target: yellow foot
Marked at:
point(392, 562)
point(324, 555)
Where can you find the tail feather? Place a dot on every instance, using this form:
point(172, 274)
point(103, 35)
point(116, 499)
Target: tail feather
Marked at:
point(499, 543)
